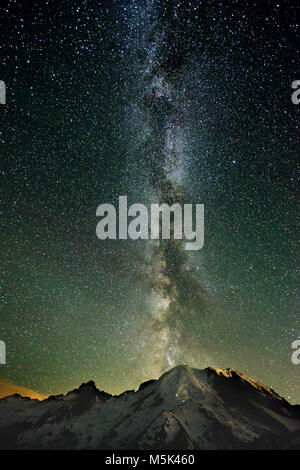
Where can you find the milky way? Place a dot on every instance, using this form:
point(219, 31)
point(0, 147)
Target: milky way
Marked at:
point(162, 107)
point(161, 101)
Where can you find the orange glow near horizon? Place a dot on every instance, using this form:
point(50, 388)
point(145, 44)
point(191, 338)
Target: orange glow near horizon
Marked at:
point(8, 388)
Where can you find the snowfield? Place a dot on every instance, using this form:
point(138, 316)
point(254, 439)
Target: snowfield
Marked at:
point(185, 408)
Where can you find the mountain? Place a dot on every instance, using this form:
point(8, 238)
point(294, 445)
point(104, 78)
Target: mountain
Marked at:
point(185, 408)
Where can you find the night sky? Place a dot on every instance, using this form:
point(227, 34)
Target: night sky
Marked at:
point(161, 101)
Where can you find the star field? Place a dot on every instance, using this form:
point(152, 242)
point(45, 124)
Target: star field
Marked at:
point(161, 101)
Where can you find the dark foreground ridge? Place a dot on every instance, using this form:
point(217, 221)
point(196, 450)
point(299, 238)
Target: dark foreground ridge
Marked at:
point(185, 408)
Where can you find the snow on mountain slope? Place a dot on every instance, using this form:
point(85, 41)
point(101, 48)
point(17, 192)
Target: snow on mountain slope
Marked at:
point(185, 408)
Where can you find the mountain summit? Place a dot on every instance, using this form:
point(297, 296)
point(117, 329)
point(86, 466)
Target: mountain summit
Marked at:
point(185, 408)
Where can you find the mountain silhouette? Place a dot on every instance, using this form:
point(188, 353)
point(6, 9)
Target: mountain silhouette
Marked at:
point(185, 408)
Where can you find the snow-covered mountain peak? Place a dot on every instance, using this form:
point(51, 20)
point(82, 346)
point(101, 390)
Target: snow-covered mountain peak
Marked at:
point(186, 408)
